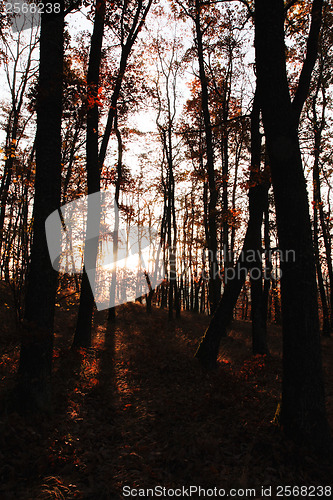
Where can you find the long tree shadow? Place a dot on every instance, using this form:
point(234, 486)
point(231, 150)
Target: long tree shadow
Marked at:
point(178, 423)
point(91, 418)
point(28, 439)
point(59, 455)
point(136, 410)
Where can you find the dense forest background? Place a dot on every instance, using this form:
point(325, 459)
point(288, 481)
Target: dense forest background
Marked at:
point(211, 123)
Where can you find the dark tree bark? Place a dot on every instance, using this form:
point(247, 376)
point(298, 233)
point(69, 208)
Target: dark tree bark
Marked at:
point(321, 285)
point(169, 217)
point(12, 135)
point(112, 310)
point(166, 113)
point(4, 191)
point(209, 347)
point(214, 281)
point(84, 322)
point(258, 310)
point(37, 342)
point(318, 128)
point(139, 17)
point(82, 335)
point(268, 263)
point(150, 294)
point(239, 147)
point(302, 414)
point(224, 95)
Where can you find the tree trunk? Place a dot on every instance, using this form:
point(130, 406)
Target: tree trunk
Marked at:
point(321, 286)
point(235, 277)
point(112, 309)
point(214, 276)
point(268, 263)
point(317, 205)
point(82, 335)
point(303, 414)
point(37, 343)
point(318, 127)
point(258, 316)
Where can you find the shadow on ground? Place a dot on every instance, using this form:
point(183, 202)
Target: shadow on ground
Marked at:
point(137, 410)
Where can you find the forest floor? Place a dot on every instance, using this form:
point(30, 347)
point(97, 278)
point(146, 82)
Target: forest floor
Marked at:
point(136, 410)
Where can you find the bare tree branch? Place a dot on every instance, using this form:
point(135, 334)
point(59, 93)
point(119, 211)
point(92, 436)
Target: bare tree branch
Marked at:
point(310, 59)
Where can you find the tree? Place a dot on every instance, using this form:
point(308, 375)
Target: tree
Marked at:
point(34, 383)
point(82, 335)
point(20, 68)
point(302, 414)
point(208, 349)
point(196, 10)
point(130, 21)
point(214, 281)
point(115, 236)
point(318, 111)
point(165, 94)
